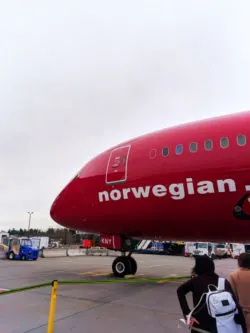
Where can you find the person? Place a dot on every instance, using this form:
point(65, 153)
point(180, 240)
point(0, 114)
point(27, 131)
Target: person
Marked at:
point(240, 282)
point(204, 275)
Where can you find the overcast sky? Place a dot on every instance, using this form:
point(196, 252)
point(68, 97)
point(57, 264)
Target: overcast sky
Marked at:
point(77, 77)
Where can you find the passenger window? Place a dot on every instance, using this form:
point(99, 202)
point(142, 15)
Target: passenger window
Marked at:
point(241, 140)
point(208, 145)
point(193, 147)
point(224, 142)
point(178, 149)
point(165, 151)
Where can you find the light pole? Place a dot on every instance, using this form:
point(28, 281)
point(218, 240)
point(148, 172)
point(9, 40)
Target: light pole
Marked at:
point(30, 213)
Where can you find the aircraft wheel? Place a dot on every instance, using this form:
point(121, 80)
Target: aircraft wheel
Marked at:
point(23, 257)
point(121, 266)
point(133, 265)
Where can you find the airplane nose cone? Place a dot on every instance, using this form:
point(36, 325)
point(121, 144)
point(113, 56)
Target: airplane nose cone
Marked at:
point(56, 210)
point(60, 208)
point(63, 209)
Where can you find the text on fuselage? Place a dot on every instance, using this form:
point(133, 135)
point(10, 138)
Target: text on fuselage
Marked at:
point(106, 241)
point(177, 191)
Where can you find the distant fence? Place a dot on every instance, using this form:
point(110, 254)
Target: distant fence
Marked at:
point(76, 251)
point(73, 252)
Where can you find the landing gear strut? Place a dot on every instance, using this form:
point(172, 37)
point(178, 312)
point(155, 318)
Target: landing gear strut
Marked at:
point(124, 265)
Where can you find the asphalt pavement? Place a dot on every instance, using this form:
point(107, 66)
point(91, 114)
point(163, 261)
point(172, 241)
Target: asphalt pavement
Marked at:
point(91, 308)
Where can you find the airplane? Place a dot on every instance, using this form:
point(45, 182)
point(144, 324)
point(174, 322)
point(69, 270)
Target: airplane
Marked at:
point(188, 182)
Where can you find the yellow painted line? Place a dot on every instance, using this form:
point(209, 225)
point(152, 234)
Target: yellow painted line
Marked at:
point(96, 273)
point(100, 274)
point(129, 276)
point(164, 281)
point(85, 273)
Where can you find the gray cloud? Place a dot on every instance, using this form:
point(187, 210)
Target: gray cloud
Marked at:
point(78, 77)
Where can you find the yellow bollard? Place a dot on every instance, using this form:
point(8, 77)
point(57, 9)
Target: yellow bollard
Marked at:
point(52, 306)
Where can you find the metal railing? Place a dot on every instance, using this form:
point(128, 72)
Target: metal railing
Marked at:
point(54, 284)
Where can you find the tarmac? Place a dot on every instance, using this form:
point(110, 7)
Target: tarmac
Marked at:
point(120, 308)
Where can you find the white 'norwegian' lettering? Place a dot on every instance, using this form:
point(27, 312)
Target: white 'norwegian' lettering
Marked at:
point(190, 185)
point(141, 192)
point(115, 195)
point(159, 190)
point(177, 191)
point(205, 187)
point(125, 193)
point(231, 184)
point(103, 196)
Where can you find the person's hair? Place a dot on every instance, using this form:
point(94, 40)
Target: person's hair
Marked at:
point(244, 260)
point(203, 264)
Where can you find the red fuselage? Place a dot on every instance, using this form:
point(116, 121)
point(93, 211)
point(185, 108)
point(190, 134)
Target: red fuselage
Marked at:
point(181, 183)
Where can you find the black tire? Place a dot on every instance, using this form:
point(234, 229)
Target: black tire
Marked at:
point(133, 265)
point(23, 257)
point(121, 267)
point(11, 256)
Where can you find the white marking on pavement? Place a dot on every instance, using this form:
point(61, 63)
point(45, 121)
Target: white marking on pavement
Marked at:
point(155, 266)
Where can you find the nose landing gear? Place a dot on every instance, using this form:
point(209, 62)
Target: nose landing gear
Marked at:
point(124, 265)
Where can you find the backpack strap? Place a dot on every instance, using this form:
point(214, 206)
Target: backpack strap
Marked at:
point(221, 283)
point(213, 289)
point(196, 307)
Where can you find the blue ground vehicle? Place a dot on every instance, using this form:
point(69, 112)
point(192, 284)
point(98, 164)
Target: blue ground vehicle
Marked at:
point(20, 248)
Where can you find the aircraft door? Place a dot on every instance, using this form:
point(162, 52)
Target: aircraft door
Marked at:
point(117, 167)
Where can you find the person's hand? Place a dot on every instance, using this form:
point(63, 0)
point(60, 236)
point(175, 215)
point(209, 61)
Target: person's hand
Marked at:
point(192, 321)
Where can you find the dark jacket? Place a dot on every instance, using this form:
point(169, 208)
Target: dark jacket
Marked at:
point(199, 285)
